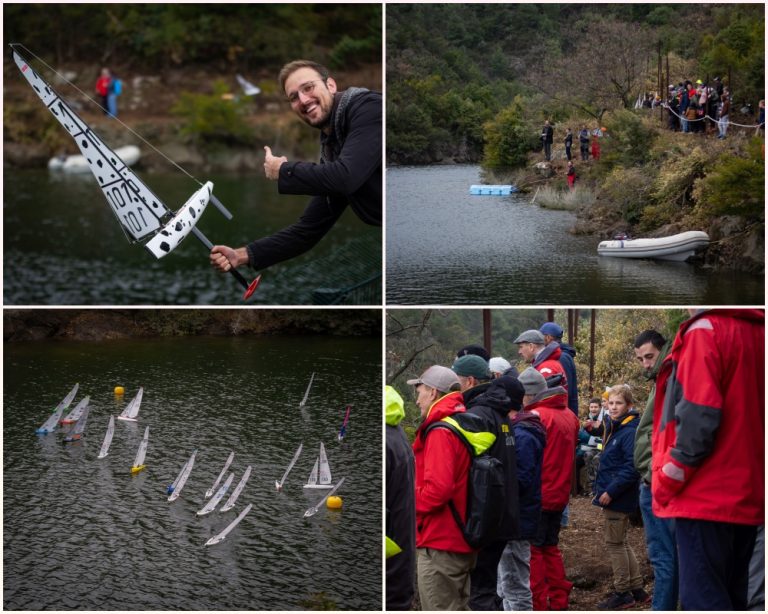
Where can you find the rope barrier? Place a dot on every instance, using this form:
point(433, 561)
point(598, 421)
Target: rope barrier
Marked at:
point(136, 134)
point(701, 119)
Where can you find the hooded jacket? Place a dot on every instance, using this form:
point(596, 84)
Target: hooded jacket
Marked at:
point(491, 403)
point(709, 420)
point(530, 441)
point(616, 473)
point(442, 471)
point(349, 175)
point(562, 428)
point(547, 362)
point(401, 511)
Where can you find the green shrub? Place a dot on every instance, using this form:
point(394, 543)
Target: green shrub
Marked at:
point(214, 117)
point(629, 140)
point(508, 138)
point(628, 190)
point(581, 197)
point(735, 186)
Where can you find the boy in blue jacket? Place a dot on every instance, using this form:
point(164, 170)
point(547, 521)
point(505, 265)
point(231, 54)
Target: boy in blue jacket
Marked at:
point(616, 491)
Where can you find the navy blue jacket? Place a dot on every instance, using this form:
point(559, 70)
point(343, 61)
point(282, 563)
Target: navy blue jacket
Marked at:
point(530, 439)
point(616, 473)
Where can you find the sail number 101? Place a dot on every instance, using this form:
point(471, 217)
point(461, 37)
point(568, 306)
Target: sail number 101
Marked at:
point(119, 196)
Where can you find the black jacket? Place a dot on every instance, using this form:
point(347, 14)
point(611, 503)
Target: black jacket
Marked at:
point(492, 404)
point(400, 519)
point(349, 174)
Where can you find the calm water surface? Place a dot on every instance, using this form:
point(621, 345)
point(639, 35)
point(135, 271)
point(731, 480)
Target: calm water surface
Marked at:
point(447, 247)
point(83, 533)
point(63, 246)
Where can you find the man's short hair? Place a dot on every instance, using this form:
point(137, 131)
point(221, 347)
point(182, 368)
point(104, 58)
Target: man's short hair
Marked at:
point(291, 67)
point(596, 401)
point(650, 335)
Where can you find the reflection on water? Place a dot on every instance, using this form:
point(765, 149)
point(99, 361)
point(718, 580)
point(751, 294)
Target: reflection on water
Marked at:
point(62, 245)
point(83, 533)
point(445, 246)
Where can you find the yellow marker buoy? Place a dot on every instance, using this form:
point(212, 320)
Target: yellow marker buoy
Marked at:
point(119, 390)
point(334, 503)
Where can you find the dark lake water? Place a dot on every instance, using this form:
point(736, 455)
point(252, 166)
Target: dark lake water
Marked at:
point(63, 246)
point(83, 533)
point(445, 246)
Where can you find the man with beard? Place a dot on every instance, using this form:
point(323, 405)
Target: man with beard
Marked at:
point(349, 173)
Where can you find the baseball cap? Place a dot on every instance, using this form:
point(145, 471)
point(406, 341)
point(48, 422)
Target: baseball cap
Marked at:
point(473, 348)
point(550, 328)
point(438, 377)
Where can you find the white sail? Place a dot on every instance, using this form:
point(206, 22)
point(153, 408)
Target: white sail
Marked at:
point(211, 505)
point(221, 536)
point(212, 489)
point(53, 420)
point(175, 231)
point(181, 479)
point(312, 479)
point(142, 450)
point(248, 88)
point(131, 410)
point(306, 394)
point(321, 472)
point(313, 510)
point(79, 428)
point(233, 497)
point(279, 485)
point(137, 209)
point(107, 438)
point(75, 414)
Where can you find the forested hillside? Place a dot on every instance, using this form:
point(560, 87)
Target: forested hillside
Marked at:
point(451, 68)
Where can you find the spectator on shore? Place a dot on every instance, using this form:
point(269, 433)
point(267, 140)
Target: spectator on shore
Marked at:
point(723, 120)
point(571, 175)
point(444, 560)
point(568, 143)
point(549, 586)
point(708, 452)
point(584, 143)
point(102, 88)
point(650, 350)
point(616, 493)
point(547, 138)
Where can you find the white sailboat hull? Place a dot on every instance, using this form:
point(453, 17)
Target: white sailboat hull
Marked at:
point(677, 247)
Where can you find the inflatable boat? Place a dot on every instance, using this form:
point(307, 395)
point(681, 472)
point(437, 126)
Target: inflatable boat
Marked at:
point(678, 247)
point(129, 154)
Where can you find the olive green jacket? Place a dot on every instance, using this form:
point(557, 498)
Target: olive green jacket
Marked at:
point(642, 452)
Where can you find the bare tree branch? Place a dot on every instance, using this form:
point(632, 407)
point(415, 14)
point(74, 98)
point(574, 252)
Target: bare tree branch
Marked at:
point(407, 364)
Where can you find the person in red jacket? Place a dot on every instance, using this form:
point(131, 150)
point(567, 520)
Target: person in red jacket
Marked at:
point(708, 452)
point(549, 585)
point(444, 560)
point(103, 84)
point(533, 349)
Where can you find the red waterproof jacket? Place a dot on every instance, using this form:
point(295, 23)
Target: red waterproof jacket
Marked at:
point(442, 471)
point(548, 363)
point(709, 420)
point(560, 452)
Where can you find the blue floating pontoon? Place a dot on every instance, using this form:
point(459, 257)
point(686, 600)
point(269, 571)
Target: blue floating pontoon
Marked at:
point(492, 190)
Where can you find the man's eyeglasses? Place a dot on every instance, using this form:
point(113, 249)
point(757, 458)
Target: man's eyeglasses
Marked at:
point(305, 88)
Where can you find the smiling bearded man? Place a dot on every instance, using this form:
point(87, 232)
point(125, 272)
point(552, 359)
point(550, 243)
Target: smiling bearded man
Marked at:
point(349, 172)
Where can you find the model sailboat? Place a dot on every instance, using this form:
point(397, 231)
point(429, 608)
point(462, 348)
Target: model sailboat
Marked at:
point(238, 489)
point(221, 536)
point(321, 472)
point(75, 414)
point(279, 485)
point(174, 490)
point(314, 509)
point(131, 410)
point(77, 431)
point(212, 489)
point(343, 429)
point(107, 438)
point(140, 213)
point(138, 463)
point(53, 420)
point(211, 505)
point(306, 394)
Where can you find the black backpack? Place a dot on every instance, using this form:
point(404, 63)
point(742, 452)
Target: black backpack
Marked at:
point(486, 496)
